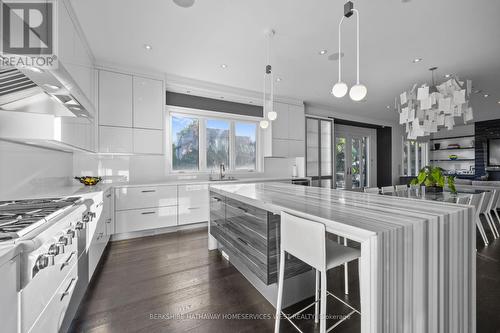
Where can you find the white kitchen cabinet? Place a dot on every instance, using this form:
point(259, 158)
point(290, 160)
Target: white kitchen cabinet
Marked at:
point(147, 141)
point(145, 219)
point(100, 237)
point(296, 148)
point(280, 125)
point(115, 139)
point(9, 281)
point(127, 198)
point(115, 99)
point(280, 148)
point(148, 103)
point(193, 203)
point(296, 123)
point(109, 212)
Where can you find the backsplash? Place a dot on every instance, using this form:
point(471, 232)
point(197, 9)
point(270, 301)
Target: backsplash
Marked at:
point(26, 169)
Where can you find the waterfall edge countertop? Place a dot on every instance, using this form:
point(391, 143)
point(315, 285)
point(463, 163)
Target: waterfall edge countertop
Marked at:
point(417, 257)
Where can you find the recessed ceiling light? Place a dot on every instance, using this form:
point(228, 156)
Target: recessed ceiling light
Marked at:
point(498, 102)
point(417, 60)
point(223, 66)
point(388, 106)
point(278, 79)
point(486, 95)
point(323, 52)
point(148, 47)
point(184, 3)
point(51, 86)
point(447, 75)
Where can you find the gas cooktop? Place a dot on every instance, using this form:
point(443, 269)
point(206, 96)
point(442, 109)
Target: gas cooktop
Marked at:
point(18, 217)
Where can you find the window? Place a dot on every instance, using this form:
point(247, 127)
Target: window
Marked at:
point(217, 143)
point(245, 145)
point(414, 156)
point(185, 143)
point(201, 143)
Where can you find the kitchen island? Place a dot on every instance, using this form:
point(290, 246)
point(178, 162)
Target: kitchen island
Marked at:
point(417, 265)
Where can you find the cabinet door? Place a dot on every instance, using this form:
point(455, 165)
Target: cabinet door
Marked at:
point(8, 294)
point(296, 120)
point(144, 219)
point(109, 208)
point(115, 139)
point(193, 203)
point(115, 99)
point(280, 125)
point(148, 103)
point(280, 148)
point(148, 141)
point(296, 148)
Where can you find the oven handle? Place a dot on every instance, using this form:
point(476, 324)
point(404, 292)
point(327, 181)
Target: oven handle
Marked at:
point(64, 264)
point(70, 288)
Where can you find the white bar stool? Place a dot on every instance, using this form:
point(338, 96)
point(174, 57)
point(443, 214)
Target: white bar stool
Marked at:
point(372, 190)
point(476, 200)
point(387, 189)
point(401, 187)
point(306, 240)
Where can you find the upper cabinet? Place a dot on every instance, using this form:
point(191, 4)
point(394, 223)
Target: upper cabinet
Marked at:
point(288, 131)
point(148, 103)
point(115, 99)
point(134, 103)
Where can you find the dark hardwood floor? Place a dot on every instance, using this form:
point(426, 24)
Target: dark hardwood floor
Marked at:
point(171, 283)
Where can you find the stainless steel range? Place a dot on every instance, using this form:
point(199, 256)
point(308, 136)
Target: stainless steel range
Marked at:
point(52, 235)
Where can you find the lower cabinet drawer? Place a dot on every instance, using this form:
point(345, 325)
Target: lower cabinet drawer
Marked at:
point(193, 203)
point(144, 219)
point(189, 215)
point(52, 317)
point(147, 196)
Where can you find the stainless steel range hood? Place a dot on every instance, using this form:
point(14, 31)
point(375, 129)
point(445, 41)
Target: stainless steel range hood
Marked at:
point(43, 91)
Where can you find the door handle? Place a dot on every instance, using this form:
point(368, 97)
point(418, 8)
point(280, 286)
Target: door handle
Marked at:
point(147, 213)
point(148, 191)
point(66, 263)
point(67, 291)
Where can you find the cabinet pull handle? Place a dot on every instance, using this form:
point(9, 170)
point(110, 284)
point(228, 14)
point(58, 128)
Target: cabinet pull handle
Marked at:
point(148, 191)
point(147, 213)
point(67, 291)
point(66, 263)
point(108, 220)
point(216, 199)
point(193, 208)
point(108, 195)
point(243, 209)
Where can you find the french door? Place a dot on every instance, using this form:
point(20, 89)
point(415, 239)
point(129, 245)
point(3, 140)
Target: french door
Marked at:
point(319, 152)
point(351, 161)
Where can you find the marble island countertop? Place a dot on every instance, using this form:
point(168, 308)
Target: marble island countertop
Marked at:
point(417, 265)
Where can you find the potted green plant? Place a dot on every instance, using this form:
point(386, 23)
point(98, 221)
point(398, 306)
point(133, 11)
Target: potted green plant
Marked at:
point(433, 179)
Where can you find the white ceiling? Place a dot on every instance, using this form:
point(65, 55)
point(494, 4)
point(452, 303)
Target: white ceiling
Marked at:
point(458, 36)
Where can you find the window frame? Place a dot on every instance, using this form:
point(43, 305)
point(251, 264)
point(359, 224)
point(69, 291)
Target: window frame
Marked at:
point(203, 116)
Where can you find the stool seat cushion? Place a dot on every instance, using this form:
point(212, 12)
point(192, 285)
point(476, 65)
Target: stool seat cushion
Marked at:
point(337, 254)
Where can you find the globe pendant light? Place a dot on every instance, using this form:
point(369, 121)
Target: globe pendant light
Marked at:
point(264, 124)
point(358, 91)
point(340, 88)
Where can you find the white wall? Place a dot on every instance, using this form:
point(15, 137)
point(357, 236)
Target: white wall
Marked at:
point(25, 169)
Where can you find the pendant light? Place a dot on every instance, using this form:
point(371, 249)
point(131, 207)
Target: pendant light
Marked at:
point(358, 91)
point(268, 96)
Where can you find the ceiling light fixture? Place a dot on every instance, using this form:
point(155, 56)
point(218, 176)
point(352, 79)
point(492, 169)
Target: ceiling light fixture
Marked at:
point(447, 76)
point(486, 95)
point(417, 60)
point(498, 102)
point(426, 108)
point(388, 106)
point(268, 96)
point(323, 52)
point(358, 91)
point(184, 3)
point(148, 47)
point(278, 79)
point(224, 66)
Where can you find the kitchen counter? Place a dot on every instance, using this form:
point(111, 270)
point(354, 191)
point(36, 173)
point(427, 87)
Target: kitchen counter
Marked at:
point(417, 257)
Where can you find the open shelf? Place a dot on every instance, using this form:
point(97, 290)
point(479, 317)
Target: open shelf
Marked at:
point(453, 137)
point(457, 160)
point(459, 148)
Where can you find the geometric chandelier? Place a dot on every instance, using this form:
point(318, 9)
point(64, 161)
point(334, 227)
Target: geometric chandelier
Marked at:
point(425, 109)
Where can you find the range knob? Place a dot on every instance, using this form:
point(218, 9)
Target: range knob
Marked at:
point(60, 246)
point(41, 262)
point(92, 215)
point(50, 259)
point(80, 226)
point(53, 250)
point(63, 240)
point(86, 218)
point(70, 235)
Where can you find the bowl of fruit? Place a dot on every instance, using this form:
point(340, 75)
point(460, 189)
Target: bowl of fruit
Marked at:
point(453, 157)
point(88, 180)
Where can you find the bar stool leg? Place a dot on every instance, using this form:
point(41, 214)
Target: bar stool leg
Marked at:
point(481, 231)
point(281, 279)
point(322, 324)
point(346, 273)
point(492, 224)
point(316, 299)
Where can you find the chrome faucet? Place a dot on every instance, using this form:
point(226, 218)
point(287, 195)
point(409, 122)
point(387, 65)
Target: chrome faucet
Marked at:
point(222, 169)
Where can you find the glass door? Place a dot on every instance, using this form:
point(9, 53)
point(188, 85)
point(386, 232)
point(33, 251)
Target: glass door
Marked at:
point(319, 154)
point(351, 161)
